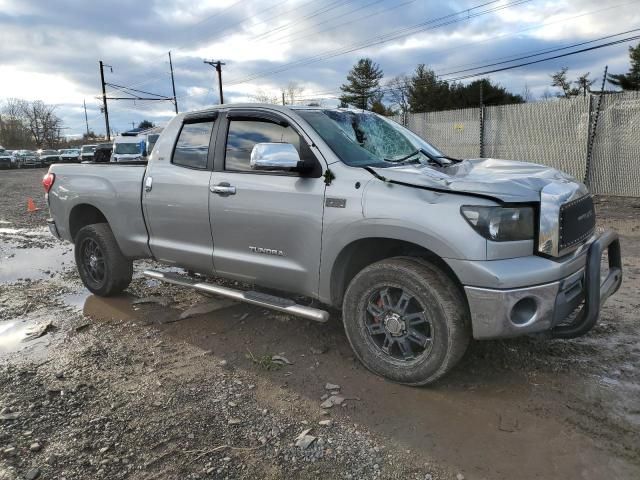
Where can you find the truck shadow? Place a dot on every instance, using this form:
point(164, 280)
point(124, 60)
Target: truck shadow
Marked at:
point(494, 417)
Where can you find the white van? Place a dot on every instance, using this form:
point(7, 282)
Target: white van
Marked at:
point(129, 148)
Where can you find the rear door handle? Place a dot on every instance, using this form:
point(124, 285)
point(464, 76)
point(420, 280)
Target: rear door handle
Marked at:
point(223, 189)
point(148, 184)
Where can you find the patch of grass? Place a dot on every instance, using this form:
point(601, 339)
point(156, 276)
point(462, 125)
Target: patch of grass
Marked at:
point(265, 362)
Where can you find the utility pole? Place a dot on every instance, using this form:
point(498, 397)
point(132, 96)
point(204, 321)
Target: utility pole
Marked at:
point(218, 66)
point(482, 119)
point(104, 99)
point(173, 84)
point(86, 120)
point(283, 102)
point(133, 125)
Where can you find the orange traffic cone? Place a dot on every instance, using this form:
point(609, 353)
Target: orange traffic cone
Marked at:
point(31, 205)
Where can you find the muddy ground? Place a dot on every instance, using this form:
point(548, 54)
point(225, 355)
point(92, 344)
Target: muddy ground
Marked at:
point(126, 388)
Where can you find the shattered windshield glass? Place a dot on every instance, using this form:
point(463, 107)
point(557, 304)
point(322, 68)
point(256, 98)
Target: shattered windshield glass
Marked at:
point(365, 139)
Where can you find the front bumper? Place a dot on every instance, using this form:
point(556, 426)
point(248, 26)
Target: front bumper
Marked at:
point(544, 308)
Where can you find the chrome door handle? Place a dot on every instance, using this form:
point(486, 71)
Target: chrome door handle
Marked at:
point(223, 189)
point(148, 184)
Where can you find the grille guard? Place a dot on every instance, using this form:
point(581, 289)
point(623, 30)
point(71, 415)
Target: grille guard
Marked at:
point(595, 292)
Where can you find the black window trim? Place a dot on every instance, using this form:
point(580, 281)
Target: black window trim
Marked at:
point(191, 119)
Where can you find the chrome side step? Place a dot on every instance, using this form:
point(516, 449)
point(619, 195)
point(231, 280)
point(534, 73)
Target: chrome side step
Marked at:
point(254, 298)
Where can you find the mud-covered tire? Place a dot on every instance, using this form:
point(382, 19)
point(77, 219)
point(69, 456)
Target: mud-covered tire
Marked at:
point(103, 268)
point(445, 332)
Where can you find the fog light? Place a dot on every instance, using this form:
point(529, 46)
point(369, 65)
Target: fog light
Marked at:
point(524, 311)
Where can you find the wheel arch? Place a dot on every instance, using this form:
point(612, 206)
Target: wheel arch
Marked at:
point(82, 215)
point(360, 253)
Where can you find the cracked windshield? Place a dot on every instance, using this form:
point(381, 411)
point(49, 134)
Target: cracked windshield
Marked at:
point(364, 139)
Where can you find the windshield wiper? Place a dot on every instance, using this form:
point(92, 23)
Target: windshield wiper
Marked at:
point(402, 159)
point(457, 160)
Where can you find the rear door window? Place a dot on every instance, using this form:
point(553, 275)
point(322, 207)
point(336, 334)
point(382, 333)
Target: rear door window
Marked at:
point(192, 148)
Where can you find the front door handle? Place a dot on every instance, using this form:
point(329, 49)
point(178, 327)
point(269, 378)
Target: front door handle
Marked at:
point(223, 189)
point(148, 184)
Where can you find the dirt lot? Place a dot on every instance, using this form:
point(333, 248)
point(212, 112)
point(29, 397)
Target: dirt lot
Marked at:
point(129, 388)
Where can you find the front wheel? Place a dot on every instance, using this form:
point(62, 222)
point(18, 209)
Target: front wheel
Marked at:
point(103, 268)
point(406, 320)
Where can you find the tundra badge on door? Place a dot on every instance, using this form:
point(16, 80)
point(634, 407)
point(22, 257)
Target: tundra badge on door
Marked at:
point(267, 251)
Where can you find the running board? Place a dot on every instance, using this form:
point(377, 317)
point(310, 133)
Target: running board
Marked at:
point(280, 304)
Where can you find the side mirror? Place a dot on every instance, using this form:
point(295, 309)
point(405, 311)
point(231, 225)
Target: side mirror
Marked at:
point(275, 156)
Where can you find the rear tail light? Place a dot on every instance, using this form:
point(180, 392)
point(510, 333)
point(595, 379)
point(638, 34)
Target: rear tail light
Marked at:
point(47, 181)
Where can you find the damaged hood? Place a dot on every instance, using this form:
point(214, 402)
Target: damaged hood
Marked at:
point(506, 180)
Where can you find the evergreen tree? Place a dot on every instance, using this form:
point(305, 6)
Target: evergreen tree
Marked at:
point(466, 96)
point(426, 92)
point(363, 84)
point(630, 80)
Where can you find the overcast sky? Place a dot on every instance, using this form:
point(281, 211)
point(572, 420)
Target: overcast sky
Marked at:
point(50, 48)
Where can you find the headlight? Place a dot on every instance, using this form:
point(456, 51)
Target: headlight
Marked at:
point(500, 224)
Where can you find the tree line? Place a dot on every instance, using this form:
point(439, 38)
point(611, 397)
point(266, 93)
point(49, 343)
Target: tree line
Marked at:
point(423, 91)
point(29, 124)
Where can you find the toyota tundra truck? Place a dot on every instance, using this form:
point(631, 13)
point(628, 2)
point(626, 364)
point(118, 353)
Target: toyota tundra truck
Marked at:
point(419, 251)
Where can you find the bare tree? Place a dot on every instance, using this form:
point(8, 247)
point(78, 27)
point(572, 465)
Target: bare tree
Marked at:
point(526, 94)
point(547, 95)
point(13, 132)
point(30, 124)
point(263, 97)
point(291, 93)
point(398, 89)
point(584, 83)
point(559, 79)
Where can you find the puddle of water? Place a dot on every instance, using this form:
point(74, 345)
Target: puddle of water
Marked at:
point(33, 263)
point(76, 300)
point(123, 308)
point(14, 339)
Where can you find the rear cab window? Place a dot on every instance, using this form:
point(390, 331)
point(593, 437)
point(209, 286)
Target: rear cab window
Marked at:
point(192, 147)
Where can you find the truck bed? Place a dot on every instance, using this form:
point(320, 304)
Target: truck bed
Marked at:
point(113, 189)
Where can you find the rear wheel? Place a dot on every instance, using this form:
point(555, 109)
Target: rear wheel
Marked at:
point(406, 320)
point(103, 268)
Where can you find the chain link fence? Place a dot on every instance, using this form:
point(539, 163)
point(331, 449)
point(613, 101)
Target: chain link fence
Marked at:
point(615, 163)
point(554, 133)
point(455, 132)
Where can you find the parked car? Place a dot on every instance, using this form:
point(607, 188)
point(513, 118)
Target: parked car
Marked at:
point(6, 161)
point(103, 152)
point(129, 148)
point(420, 251)
point(47, 157)
point(86, 153)
point(26, 158)
point(70, 155)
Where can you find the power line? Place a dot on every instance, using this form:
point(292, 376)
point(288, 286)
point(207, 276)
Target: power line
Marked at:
point(226, 28)
point(542, 52)
point(359, 19)
point(445, 20)
point(490, 39)
point(487, 72)
point(126, 89)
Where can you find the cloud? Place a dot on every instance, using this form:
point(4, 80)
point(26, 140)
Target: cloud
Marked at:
point(50, 50)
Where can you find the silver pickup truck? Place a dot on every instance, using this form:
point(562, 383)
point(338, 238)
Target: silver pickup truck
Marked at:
point(421, 252)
